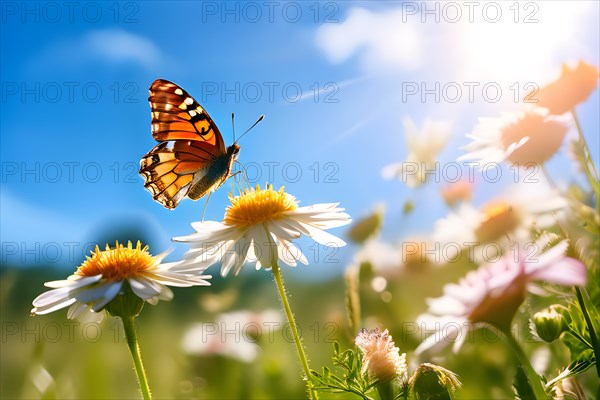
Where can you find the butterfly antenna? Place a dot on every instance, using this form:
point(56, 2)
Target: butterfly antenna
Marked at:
point(253, 125)
point(233, 125)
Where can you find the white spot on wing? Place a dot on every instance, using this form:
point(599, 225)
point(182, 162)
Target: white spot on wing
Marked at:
point(189, 101)
point(178, 91)
point(181, 194)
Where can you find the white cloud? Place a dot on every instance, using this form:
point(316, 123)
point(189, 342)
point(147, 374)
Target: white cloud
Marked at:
point(380, 40)
point(112, 47)
point(115, 45)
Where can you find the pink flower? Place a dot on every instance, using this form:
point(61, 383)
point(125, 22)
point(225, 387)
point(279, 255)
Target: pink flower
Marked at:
point(493, 293)
point(381, 358)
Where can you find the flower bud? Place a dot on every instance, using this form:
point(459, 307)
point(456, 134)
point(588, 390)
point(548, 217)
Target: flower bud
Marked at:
point(367, 227)
point(550, 323)
point(432, 382)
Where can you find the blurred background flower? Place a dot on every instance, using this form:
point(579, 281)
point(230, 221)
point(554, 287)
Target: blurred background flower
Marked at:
point(493, 293)
point(236, 335)
point(488, 231)
point(523, 139)
point(573, 87)
point(457, 192)
point(423, 147)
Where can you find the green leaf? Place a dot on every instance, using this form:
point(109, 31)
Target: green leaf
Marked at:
point(575, 368)
point(521, 385)
point(352, 381)
point(577, 339)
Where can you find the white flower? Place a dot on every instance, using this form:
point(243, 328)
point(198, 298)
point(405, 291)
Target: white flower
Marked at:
point(489, 230)
point(423, 149)
point(233, 335)
point(522, 138)
point(381, 358)
point(101, 276)
point(260, 225)
point(493, 293)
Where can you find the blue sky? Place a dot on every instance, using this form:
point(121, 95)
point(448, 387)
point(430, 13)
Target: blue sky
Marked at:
point(330, 77)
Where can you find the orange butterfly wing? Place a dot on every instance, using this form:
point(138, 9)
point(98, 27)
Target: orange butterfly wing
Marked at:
point(190, 142)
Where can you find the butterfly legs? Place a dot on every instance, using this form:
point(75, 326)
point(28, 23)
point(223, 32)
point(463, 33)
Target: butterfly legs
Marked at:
point(244, 174)
point(210, 193)
point(206, 205)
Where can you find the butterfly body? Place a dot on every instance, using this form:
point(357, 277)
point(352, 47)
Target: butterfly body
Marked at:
point(191, 159)
point(210, 180)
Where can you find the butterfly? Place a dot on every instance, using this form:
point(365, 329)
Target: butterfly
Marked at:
point(190, 159)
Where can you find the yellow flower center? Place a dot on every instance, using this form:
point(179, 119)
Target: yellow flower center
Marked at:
point(256, 206)
point(500, 219)
point(118, 263)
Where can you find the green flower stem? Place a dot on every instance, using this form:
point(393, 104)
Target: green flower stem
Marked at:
point(532, 376)
point(292, 322)
point(134, 347)
point(590, 168)
point(385, 390)
point(588, 321)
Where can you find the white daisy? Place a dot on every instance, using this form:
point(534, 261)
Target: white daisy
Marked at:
point(259, 226)
point(489, 230)
point(423, 149)
point(101, 277)
point(521, 138)
point(493, 293)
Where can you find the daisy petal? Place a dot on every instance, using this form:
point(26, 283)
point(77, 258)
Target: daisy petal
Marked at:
point(111, 290)
point(566, 272)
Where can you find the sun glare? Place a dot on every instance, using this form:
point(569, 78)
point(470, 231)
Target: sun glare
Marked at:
point(524, 44)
